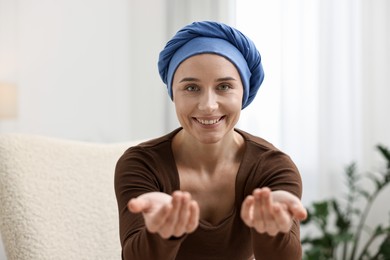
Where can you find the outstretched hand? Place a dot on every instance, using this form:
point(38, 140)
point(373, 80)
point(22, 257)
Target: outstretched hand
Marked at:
point(167, 215)
point(271, 212)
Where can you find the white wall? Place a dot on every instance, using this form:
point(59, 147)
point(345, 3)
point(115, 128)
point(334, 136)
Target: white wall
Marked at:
point(86, 69)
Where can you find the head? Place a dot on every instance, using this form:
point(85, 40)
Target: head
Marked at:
point(214, 38)
point(208, 93)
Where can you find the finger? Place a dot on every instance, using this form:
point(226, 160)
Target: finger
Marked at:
point(296, 208)
point(168, 228)
point(293, 203)
point(183, 215)
point(265, 223)
point(266, 206)
point(193, 221)
point(282, 218)
point(247, 211)
point(299, 212)
point(137, 205)
point(258, 216)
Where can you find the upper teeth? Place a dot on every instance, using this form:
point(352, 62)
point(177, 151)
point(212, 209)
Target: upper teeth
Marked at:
point(208, 122)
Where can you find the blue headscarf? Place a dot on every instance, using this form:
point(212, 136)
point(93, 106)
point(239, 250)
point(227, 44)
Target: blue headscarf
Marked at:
point(216, 38)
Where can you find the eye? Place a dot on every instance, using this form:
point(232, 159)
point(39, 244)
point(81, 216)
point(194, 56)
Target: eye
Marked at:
point(224, 87)
point(192, 88)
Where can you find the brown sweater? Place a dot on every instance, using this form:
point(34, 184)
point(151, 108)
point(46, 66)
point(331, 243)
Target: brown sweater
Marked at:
point(150, 167)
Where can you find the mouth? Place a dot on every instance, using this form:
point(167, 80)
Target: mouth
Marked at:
point(209, 121)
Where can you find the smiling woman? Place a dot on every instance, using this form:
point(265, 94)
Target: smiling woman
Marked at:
point(169, 189)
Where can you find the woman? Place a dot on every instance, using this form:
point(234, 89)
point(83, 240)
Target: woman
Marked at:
point(208, 190)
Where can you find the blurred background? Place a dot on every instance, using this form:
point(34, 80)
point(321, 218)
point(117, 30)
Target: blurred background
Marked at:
point(87, 70)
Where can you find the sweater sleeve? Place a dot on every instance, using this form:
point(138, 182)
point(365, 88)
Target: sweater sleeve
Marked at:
point(278, 172)
point(135, 174)
point(144, 245)
point(281, 246)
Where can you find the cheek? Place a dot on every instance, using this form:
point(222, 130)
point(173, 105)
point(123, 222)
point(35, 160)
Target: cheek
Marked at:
point(236, 102)
point(181, 106)
point(183, 112)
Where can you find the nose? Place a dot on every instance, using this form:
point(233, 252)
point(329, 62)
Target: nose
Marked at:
point(208, 101)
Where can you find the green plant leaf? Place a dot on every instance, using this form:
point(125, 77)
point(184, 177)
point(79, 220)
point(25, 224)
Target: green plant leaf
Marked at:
point(321, 209)
point(343, 237)
point(378, 230)
point(350, 171)
point(342, 221)
point(386, 154)
point(384, 248)
point(316, 253)
point(384, 151)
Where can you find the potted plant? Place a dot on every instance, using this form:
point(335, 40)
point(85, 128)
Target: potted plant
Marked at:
point(340, 222)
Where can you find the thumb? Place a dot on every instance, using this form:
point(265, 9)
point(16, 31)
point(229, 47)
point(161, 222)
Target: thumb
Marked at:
point(299, 212)
point(138, 205)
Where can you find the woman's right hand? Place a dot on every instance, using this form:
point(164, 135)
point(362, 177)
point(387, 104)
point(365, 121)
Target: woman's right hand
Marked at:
point(167, 215)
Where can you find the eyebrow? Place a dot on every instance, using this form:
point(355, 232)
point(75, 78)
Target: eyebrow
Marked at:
point(225, 79)
point(189, 79)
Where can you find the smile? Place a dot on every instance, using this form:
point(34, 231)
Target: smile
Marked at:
point(209, 122)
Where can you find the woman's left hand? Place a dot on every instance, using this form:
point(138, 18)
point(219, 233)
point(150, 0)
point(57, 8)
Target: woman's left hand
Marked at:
point(271, 212)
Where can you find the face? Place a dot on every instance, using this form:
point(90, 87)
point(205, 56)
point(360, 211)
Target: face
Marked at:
point(207, 93)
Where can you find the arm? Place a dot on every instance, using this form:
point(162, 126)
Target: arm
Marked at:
point(280, 246)
point(133, 178)
point(166, 218)
point(145, 208)
point(273, 217)
point(273, 208)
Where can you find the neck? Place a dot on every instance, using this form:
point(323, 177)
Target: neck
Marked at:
point(198, 155)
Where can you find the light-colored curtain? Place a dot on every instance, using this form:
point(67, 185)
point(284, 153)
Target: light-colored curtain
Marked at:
point(325, 97)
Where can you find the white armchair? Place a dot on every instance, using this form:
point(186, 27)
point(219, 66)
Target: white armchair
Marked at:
point(57, 198)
